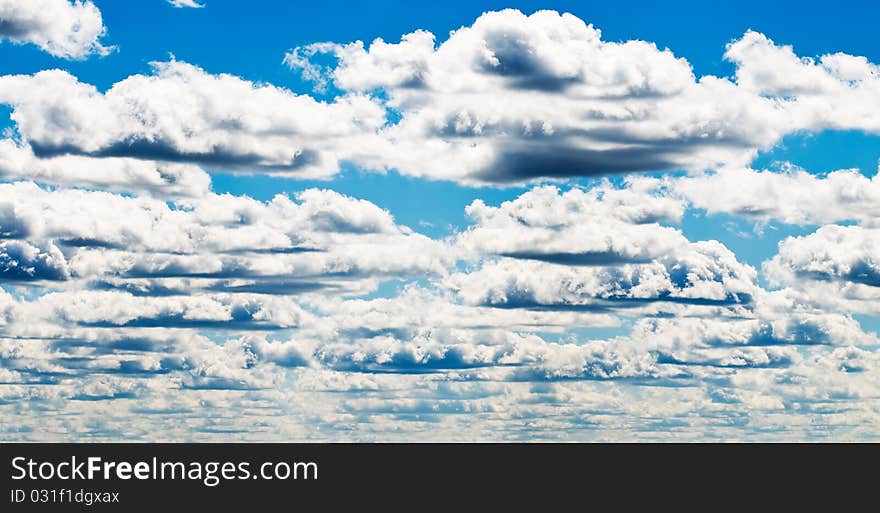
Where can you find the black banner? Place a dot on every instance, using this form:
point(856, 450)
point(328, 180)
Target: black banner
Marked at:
point(231, 477)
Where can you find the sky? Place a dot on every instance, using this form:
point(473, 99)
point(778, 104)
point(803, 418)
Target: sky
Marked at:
point(463, 221)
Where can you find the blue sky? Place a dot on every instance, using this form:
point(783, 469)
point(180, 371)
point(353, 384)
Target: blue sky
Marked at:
point(528, 236)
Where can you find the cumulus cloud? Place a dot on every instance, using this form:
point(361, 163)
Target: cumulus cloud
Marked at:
point(514, 97)
point(119, 308)
point(70, 29)
point(510, 98)
point(181, 113)
point(396, 335)
point(829, 93)
point(765, 330)
point(600, 249)
point(215, 242)
point(709, 275)
point(159, 179)
point(417, 312)
point(792, 196)
point(196, 361)
point(600, 226)
point(845, 253)
point(20, 261)
point(835, 268)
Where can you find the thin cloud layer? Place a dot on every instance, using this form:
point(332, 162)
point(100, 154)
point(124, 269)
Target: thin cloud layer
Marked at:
point(186, 3)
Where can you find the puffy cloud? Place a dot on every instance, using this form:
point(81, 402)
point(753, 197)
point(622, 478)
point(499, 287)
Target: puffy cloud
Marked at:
point(215, 313)
point(844, 253)
point(320, 240)
point(17, 162)
point(430, 353)
point(774, 70)
point(220, 223)
point(709, 275)
point(415, 334)
point(461, 335)
point(792, 196)
point(543, 51)
point(194, 360)
point(761, 378)
point(600, 250)
point(180, 113)
point(514, 97)
point(832, 92)
point(509, 98)
point(70, 29)
point(20, 261)
point(430, 362)
point(836, 268)
point(600, 226)
point(765, 330)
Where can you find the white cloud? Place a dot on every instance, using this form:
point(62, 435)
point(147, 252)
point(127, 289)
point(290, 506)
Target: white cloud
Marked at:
point(601, 249)
point(180, 113)
point(792, 196)
point(117, 309)
point(169, 179)
point(836, 267)
point(600, 226)
point(70, 29)
point(319, 241)
point(20, 261)
point(764, 378)
point(514, 97)
point(510, 98)
point(418, 312)
point(765, 330)
point(707, 275)
point(835, 92)
point(847, 253)
point(429, 362)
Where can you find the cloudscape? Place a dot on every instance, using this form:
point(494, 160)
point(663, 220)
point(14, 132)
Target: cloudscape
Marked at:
point(225, 221)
